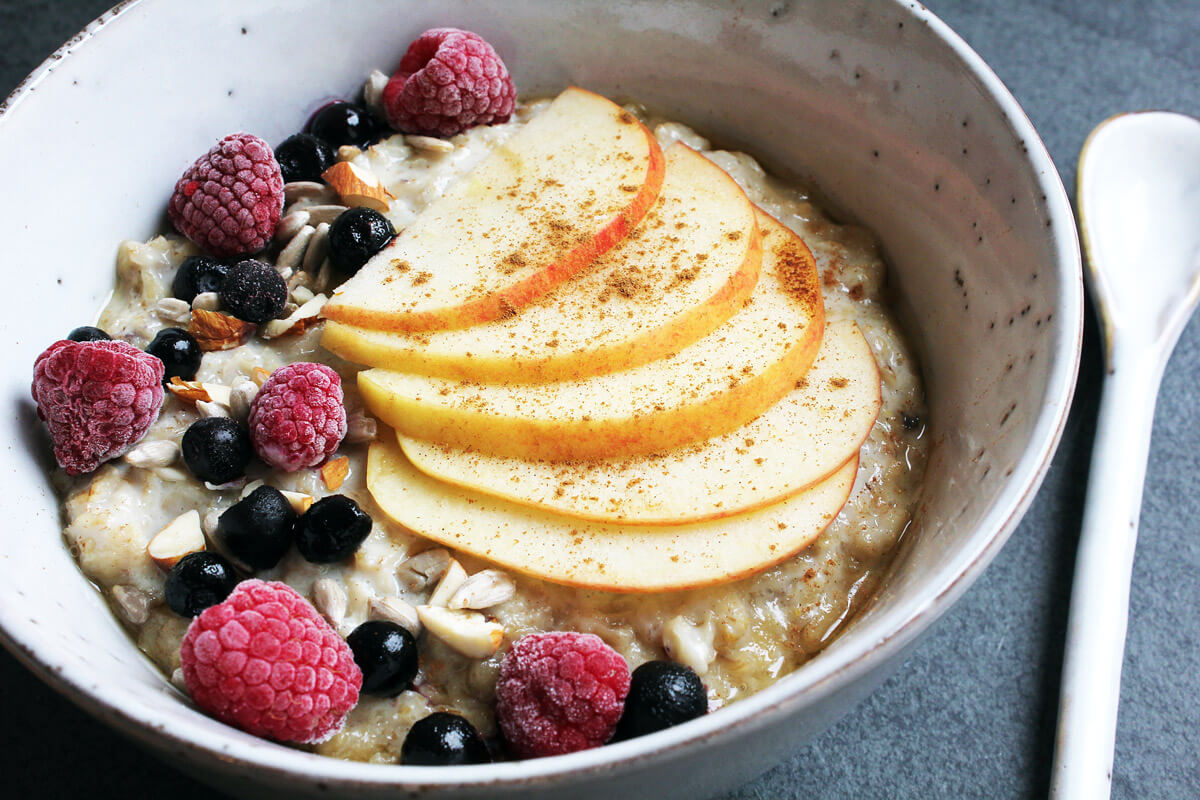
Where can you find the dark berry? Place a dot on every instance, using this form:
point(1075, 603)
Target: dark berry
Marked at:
point(88, 333)
point(661, 694)
point(343, 123)
point(197, 275)
point(387, 656)
point(179, 352)
point(303, 157)
point(331, 529)
point(258, 528)
point(254, 291)
point(217, 449)
point(197, 581)
point(443, 740)
point(356, 235)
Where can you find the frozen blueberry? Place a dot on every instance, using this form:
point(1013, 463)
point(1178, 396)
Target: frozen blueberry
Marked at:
point(197, 275)
point(343, 123)
point(197, 581)
point(661, 694)
point(179, 352)
point(258, 528)
point(303, 157)
point(331, 529)
point(254, 291)
point(356, 235)
point(443, 740)
point(217, 449)
point(387, 656)
point(87, 333)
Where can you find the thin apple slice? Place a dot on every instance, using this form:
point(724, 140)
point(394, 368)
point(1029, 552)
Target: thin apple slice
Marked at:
point(711, 387)
point(536, 211)
point(686, 269)
point(619, 558)
point(797, 442)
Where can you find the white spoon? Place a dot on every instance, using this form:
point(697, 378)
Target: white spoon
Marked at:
point(1139, 211)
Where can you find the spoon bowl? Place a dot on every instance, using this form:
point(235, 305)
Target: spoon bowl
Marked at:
point(1139, 209)
point(1139, 204)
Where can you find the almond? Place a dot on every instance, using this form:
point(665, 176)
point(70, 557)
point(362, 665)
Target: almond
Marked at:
point(358, 187)
point(334, 472)
point(216, 331)
point(180, 537)
point(188, 391)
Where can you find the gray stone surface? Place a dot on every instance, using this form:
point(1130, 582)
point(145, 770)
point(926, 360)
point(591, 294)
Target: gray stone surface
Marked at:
point(971, 713)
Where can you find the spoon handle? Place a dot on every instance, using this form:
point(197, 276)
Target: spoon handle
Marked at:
point(1095, 646)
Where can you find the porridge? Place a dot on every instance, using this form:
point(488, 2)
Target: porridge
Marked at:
point(129, 521)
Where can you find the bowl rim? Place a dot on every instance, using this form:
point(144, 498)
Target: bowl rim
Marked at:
point(835, 670)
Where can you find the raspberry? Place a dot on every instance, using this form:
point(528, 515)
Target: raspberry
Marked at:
point(297, 418)
point(560, 692)
point(448, 81)
point(97, 398)
point(230, 200)
point(266, 662)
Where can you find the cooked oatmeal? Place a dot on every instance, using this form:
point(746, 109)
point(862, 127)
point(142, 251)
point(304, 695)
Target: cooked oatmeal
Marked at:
point(740, 636)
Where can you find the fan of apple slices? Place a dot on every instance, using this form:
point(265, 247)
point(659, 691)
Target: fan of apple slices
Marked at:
point(676, 415)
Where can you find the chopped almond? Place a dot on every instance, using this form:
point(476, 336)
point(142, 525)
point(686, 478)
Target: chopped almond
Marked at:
point(334, 472)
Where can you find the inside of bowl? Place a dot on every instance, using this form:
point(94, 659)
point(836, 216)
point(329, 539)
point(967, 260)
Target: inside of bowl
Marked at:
point(865, 99)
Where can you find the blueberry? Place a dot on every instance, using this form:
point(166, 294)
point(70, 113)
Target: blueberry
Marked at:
point(303, 157)
point(197, 275)
point(661, 694)
point(356, 235)
point(87, 333)
point(254, 291)
point(343, 123)
point(387, 656)
point(258, 528)
point(179, 352)
point(443, 740)
point(331, 529)
point(217, 449)
point(197, 581)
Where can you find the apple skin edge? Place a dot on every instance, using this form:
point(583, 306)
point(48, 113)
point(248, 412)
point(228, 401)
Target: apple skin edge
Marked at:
point(502, 302)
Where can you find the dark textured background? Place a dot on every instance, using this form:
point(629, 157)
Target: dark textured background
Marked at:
point(971, 714)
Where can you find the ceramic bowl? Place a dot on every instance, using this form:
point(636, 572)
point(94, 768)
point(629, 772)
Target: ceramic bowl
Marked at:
point(902, 126)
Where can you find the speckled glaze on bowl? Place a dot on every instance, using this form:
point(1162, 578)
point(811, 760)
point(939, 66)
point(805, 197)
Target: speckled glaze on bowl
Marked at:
point(899, 122)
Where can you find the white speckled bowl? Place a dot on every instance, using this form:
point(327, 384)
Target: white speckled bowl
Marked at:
point(893, 115)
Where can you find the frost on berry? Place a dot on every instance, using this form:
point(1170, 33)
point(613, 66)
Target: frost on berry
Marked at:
point(97, 399)
point(448, 80)
point(298, 418)
point(560, 692)
point(229, 202)
point(266, 662)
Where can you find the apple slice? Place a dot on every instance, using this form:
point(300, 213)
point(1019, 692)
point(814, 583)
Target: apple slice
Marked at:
point(537, 210)
point(795, 443)
point(710, 387)
point(621, 558)
point(687, 268)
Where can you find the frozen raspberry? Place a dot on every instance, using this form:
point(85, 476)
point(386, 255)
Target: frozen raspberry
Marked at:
point(297, 418)
point(97, 398)
point(560, 692)
point(266, 662)
point(448, 81)
point(230, 200)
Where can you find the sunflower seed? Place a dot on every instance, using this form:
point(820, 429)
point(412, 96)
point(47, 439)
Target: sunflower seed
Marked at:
point(133, 603)
point(429, 144)
point(306, 190)
point(330, 599)
point(160, 453)
point(318, 249)
point(393, 609)
point(484, 589)
point(291, 224)
point(172, 309)
point(424, 568)
point(293, 254)
point(324, 213)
